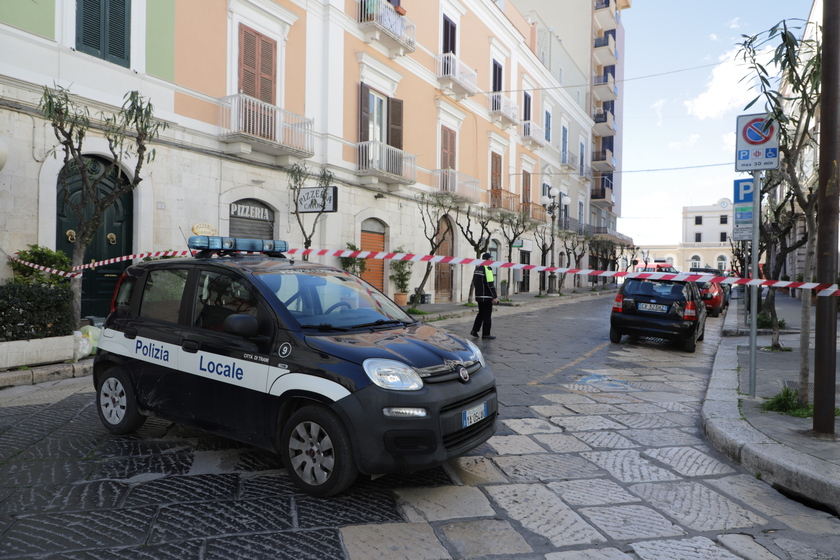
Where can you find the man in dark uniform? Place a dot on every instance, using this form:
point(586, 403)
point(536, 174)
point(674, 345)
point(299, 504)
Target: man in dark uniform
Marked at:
point(485, 296)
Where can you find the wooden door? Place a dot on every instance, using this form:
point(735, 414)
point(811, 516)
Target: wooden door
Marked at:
point(374, 268)
point(443, 271)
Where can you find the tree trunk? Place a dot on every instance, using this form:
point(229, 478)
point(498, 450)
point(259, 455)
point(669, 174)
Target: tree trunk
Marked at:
point(805, 315)
point(76, 285)
point(418, 295)
point(770, 306)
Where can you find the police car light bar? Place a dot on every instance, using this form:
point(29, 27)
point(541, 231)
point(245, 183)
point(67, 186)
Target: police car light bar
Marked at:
point(214, 243)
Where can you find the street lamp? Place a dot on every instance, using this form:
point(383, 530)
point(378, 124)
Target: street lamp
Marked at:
point(552, 207)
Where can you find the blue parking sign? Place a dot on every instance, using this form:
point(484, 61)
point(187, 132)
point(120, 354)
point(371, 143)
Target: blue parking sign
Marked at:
point(743, 154)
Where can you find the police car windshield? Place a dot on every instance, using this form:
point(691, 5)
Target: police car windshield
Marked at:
point(327, 299)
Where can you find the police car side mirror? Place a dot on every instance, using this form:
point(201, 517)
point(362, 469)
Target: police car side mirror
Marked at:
point(241, 324)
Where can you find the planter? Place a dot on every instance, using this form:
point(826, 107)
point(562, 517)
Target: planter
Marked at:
point(400, 10)
point(51, 350)
point(504, 289)
point(401, 298)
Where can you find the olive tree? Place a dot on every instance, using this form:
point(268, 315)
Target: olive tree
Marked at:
point(128, 132)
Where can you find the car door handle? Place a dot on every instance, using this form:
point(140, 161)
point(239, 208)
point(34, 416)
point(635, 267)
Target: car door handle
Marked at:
point(130, 332)
point(190, 346)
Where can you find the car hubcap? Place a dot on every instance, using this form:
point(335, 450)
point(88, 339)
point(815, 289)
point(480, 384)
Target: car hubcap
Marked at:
point(112, 401)
point(311, 453)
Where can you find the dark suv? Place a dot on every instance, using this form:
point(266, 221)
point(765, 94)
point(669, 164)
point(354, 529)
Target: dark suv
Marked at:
point(292, 356)
point(667, 309)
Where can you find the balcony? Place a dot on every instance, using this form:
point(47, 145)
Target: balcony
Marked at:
point(604, 123)
point(606, 15)
point(569, 161)
point(613, 235)
point(604, 88)
point(585, 173)
point(386, 163)
point(603, 161)
point(455, 76)
point(534, 211)
point(533, 135)
point(380, 22)
point(459, 185)
point(503, 200)
point(248, 124)
point(503, 111)
point(605, 52)
point(602, 194)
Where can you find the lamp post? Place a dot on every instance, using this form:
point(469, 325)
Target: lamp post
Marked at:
point(552, 206)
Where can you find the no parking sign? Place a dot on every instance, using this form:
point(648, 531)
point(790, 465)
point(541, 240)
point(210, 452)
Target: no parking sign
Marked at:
point(756, 143)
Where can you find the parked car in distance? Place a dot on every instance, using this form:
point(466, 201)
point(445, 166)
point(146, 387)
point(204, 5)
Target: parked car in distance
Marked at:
point(657, 267)
point(727, 288)
point(669, 309)
point(713, 297)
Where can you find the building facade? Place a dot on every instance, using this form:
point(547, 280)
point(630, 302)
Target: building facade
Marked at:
point(394, 99)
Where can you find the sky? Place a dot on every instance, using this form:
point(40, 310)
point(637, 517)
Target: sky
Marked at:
point(682, 97)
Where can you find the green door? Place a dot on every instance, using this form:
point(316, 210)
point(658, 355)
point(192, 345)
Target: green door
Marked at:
point(112, 240)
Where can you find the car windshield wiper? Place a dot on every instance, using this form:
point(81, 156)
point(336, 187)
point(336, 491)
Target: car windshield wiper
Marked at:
point(325, 327)
point(379, 322)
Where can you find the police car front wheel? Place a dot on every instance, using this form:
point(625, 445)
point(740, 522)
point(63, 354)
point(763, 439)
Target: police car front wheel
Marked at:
point(117, 404)
point(317, 451)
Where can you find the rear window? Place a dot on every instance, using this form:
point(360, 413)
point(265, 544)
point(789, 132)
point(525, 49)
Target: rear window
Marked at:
point(162, 294)
point(665, 290)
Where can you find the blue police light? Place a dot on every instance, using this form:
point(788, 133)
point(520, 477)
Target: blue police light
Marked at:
point(215, 243)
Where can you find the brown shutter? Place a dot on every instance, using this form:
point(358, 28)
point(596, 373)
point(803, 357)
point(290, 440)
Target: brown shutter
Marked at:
point(395, 123)
point(374, 268)
point(495, 171)
point(447, 148)
point(364, 112)
point(257, 65)
point(526, 187)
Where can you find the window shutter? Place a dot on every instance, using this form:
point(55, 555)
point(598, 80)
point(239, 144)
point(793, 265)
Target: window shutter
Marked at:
point(118, 38)
point(248, 61)
point(526, 187)
point(90, 18)
point(257, 65)
point(395, 123)
point(495, 171)
point(268, 49)
point(364, 112)
point(447, 148)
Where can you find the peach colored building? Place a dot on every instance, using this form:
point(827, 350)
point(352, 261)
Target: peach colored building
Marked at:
point(394, 98)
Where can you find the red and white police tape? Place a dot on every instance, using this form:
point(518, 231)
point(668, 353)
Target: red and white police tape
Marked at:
point(822, 289)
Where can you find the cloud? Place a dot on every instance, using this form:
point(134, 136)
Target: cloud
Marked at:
point(728, 140)
point(657, 106)
point(714, 37)
point(734, 24)
point(725, 90)
point(687, 143)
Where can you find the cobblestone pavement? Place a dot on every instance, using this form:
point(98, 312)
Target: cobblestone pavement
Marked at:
point(598, 455)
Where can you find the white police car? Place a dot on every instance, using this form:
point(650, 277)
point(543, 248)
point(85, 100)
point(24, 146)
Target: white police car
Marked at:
point(292, 356)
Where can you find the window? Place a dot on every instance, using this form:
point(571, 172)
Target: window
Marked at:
point(447, 148)
point(698, 220)
point(698, 237)
point(548, 126)
point(564, 143)
point(526, 187)
point(103, 29)
point(526, 106)
point(496, 86)
point(582, 162)
point(723, 237)
point(694, 262)
point(449, 35)
point(381, 118)
point(162, 294)
point(257, 79)
point(495, 171)
point(721, 262)
point(220, 296)
point(724, 219)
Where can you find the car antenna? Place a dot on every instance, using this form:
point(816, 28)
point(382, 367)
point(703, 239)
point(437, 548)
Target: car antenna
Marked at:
point(189, 250)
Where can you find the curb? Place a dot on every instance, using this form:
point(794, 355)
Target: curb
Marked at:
point(782, 467)
point(42, 374)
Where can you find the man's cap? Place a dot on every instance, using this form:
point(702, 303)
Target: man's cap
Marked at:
point(486, 256)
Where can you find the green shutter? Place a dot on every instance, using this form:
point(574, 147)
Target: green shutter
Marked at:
point(118, 38)
point(103, 29)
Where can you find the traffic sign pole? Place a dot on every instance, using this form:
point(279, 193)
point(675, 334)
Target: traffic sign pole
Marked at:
point(754, 269)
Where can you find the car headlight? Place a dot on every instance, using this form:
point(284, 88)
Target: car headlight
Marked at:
point(390, 374)
point(476, 353)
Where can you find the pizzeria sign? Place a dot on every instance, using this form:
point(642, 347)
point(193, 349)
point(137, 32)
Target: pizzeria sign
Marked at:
point(318, 199)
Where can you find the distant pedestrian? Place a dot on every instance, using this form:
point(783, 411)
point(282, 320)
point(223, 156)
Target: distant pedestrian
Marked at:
point(485, 296)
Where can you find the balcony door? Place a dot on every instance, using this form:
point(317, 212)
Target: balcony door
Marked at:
point(447, 159)
point(257, 80)
point(443, 271)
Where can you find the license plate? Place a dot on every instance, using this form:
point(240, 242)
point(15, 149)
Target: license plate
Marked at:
point(658, 308)
point(473, 415)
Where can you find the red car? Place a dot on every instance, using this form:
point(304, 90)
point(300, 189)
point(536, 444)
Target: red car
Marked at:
point(717, 301)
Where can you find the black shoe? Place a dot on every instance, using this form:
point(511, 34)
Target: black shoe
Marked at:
point(473, 333)
point(488, 337)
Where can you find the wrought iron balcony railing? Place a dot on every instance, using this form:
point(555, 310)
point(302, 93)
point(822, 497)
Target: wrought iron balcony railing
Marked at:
point(245, 118)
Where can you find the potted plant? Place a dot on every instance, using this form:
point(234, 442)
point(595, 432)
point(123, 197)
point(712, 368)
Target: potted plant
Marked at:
point(353, 265)
point(401, 275)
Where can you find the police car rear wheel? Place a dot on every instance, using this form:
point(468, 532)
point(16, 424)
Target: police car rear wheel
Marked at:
point(117, 404)
point(317, 452)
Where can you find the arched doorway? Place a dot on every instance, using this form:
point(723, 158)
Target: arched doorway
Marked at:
point(443, 271)
point(112, 240)
point(373, 239)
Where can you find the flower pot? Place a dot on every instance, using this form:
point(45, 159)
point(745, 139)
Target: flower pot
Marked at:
point(401, 298)
point(400, 10)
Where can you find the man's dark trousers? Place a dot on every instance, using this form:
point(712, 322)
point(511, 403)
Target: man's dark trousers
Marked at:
point(485, 310)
